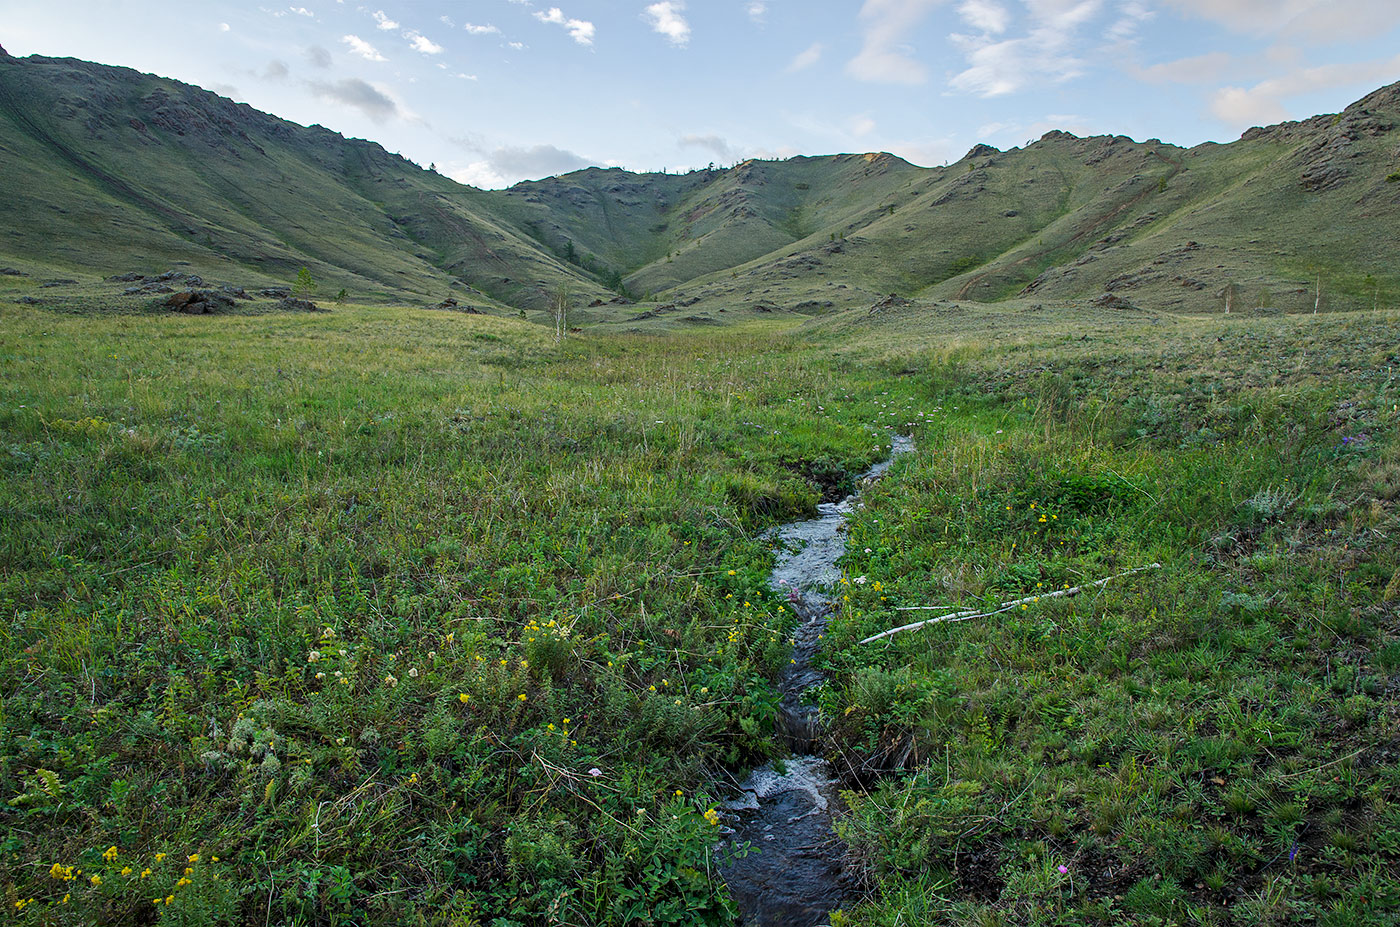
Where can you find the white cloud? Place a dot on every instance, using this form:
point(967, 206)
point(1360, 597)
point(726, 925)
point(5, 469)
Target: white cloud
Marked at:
point(300, 11)
point(509, 164)
point(362, 48)
point(711, 143)
point(666, 19)
point(806, 58)
point(224, 27)
point(985, 15)
point(1198, 69)
point(580, 30)
point(517, 46)
point(884, 55)
point(1045, 53)
point(421, 43)
point(1313, 20)
point(861, 125)
point(447, 21)
point(1263, 103)
point(757, 10)
point(474, 29)
point(462, 76)
point(385, 23)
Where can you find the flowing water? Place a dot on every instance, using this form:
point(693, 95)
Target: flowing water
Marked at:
point(793, 874)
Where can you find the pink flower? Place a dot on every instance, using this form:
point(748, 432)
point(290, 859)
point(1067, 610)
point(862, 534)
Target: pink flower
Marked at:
point(1064, 870)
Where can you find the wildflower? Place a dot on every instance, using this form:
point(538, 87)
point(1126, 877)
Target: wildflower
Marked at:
point(320, 675)
point(1063, 869)
point(413, 672)
point(126, 870)
point(169, 899)
point(679, 793)
point(731, 572)
point(96, 880)
point(390, 681)
point(463, 698)
point(215, 859)
point(328, 634)
point(566, 721)
point(109, 854)
point(182, 883)
point(194, 858)
point(160, 856)
point(145, 872)
point(450, 637)
point(58, 871)
point(712, 816)
point(432, 654)
point(521, 696)
point(313, 656)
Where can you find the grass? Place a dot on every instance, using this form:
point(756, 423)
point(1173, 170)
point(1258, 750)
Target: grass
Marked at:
point(395, 616)
point(1208, 744)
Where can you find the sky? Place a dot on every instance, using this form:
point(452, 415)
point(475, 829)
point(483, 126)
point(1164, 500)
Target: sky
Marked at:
point(492, 92)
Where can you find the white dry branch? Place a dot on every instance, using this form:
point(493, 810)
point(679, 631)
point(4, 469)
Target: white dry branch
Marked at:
point(966, 614)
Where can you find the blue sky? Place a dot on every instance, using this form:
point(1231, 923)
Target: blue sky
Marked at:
point(495, 91)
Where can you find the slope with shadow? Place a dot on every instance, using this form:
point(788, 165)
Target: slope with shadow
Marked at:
point(110, 170)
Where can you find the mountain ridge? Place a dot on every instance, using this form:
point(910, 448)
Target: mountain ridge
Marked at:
point(116, 167)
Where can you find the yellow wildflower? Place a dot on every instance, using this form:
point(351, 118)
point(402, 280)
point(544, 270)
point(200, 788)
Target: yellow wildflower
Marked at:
point(463, 698)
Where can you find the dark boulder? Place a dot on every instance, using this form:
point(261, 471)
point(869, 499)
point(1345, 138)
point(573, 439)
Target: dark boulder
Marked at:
point(292, 304)
point(199, 302)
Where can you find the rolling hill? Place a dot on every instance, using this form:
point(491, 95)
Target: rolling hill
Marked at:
point(112, 171)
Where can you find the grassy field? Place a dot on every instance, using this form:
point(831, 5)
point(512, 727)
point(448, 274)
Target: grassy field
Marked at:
point(396, 616)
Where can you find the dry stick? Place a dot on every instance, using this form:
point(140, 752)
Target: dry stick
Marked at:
point(968, 613)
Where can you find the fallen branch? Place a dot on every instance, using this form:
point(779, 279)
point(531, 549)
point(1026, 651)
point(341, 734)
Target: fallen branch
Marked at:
point(967, 614)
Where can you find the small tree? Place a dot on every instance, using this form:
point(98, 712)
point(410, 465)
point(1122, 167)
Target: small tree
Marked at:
point(559, 307)
point(304, 285)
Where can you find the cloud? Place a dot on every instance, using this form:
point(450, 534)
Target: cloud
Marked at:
point(806, 58)
point(421, 43)
point(276, 70)
point(318, 56)
point(884, 57)
point(300, 11)
point(666, 19)
point(861, 125)
point(1312, 20)
point(511, 164)
point(474, 29)
point(1263, 103)
point(711, 143)
point(1198, 69)
point(985, 15)
point(224, 27)
point(360, 95)
point(1044, 54)
point(581, 31)
point(362, 48)
point(385, 23)
point(757, 10)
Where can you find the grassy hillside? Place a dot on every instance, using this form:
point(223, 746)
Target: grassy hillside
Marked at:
point(117, 171)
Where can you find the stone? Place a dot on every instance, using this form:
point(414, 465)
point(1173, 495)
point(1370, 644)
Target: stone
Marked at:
point(199, 302)
point(292, 304)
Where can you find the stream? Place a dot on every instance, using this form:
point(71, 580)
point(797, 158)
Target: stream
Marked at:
point(794, 873)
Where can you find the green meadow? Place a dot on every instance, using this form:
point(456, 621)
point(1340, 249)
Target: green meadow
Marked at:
point(394, 616)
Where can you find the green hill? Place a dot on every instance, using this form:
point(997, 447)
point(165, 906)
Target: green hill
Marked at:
point(114, 171)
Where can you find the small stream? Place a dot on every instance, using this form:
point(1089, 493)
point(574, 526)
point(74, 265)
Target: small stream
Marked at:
point(794, 873)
